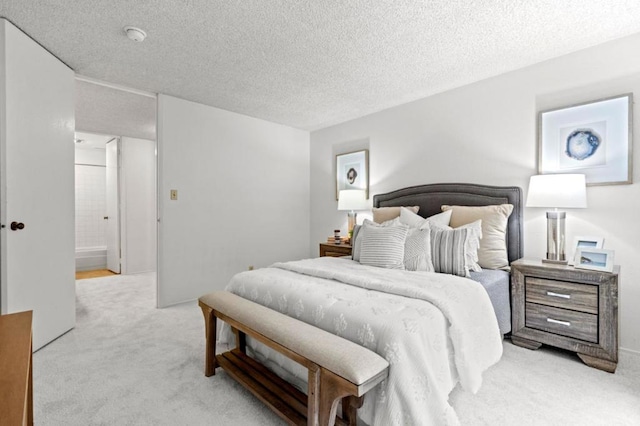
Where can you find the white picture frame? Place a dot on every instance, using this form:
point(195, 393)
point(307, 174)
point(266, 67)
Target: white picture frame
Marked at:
point(582, 241)
point(352, 171)
point(593, 138)
point(594, 259)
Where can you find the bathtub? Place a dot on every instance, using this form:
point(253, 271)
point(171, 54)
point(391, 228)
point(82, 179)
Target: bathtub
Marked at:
point(91, 258)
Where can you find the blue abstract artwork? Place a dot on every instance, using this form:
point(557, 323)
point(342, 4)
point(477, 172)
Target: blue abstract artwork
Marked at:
point(582, 144)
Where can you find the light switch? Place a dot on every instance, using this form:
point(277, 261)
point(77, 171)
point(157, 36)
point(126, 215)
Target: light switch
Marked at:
point(174, 194)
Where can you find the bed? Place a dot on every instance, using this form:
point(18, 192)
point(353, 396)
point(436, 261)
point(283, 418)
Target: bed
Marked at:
point(435, 329)
point(431, 197)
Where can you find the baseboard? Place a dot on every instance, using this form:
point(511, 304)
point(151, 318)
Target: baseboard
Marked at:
point(630, 352)
point(91, 263)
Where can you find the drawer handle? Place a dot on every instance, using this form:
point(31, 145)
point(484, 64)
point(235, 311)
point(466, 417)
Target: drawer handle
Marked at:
point(555, 321)
point(564, 296)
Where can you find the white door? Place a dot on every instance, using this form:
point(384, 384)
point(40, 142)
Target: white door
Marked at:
point(37, 269)
point(113, 206)
point(138, 206)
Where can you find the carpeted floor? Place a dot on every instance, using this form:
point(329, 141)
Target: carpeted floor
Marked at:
point(128, 363)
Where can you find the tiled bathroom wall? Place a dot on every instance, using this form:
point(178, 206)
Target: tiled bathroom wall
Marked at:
point(90, 206)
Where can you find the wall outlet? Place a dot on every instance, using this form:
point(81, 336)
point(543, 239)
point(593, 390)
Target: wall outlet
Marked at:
point(174, 194)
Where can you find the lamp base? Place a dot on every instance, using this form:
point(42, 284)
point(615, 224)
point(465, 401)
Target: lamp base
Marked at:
point(555, 238)
point(352, 216)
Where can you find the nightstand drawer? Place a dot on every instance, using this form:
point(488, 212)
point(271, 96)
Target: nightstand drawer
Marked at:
point(568, 323)
point(578, 297)
point(335, 250)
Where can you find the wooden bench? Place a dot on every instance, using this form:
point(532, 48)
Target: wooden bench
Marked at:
point(339, 370)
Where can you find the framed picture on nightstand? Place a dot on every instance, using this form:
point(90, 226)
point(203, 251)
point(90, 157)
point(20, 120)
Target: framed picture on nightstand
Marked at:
point(594, 259)
point(585, 242)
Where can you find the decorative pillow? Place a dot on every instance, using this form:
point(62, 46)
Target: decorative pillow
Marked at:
point(493, 245)
point(417, 250)
point(448, 250)
point(414, 220)
point(473, 245)
point(383, 246)
point(383, 214)
point(356, 241)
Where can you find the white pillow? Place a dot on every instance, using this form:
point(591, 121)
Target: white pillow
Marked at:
point(417, 250)
point(383, 246)
point(416, 221)
point(473, 245)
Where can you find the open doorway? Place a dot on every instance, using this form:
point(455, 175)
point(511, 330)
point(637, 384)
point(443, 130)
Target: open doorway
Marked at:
point(115, 205)
point(96, 192)
point(127, 117)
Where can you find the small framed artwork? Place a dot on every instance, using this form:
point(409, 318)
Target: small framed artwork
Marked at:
point(352, 171)
point(593, 138)
point(585, 242)
point(595, 259)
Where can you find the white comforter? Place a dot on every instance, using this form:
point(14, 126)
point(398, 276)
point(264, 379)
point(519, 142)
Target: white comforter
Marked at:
point(434, 329)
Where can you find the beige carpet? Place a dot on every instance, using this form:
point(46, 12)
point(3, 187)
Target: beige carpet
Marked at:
point(127, 363)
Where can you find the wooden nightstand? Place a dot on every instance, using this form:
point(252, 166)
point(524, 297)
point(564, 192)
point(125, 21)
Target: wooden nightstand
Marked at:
point(335, 250)
point(573, 309)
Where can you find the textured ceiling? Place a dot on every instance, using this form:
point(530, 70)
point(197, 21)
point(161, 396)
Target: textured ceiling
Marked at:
point(310, 64)
point(110, 111)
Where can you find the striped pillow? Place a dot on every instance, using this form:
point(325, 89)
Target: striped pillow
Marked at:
point(356, 242)
point(448, 250)
point(383, 246)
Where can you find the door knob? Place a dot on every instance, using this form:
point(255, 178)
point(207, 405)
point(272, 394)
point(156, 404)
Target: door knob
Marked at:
point(15, 226)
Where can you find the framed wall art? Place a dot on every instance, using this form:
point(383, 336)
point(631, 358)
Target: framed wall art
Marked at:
point(352, 171)
point(593, 138)
point(595, 259)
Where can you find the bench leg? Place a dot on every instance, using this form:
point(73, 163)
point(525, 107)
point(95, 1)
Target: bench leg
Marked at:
point(313, 396)
point(332, 390)
point(241, 340)
point(210, 320)
point(350, 406)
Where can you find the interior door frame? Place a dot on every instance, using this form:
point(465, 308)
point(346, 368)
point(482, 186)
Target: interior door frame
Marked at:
point(118, 199)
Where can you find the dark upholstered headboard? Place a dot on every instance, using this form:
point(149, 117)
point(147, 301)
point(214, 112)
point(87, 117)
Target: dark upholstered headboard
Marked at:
point(431, 197)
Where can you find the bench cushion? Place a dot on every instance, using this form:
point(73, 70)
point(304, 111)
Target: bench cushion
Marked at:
point(349, 360)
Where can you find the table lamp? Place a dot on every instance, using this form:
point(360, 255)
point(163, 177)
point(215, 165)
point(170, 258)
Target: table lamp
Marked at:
point(557, 191)
point(352, 200)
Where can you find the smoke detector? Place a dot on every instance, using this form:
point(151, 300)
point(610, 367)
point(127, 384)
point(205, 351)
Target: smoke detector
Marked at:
point(135, 34)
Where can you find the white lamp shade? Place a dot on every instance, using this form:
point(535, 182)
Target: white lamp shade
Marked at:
point(352, 199)
point(558, 191)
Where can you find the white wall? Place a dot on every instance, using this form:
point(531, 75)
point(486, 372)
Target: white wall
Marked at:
point(93, 156)
point(138, 205)
point(243, 196)
point(486, 133)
